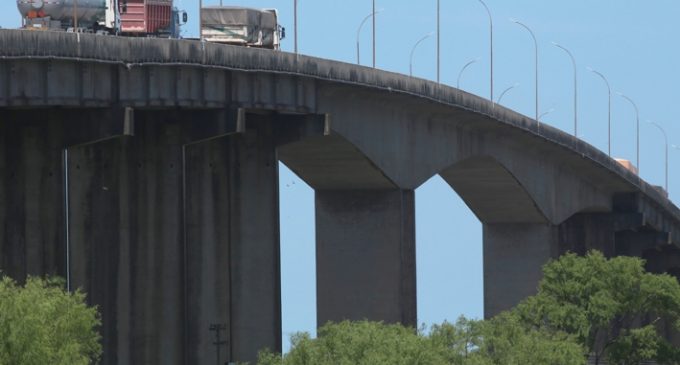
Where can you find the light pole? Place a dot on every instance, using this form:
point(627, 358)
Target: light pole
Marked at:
point(535, 59)
point(546, 113)
point(490, 47)
point(460, 74)
point(410, 63)
point(573, 62)
point(609, 113)
point(438, 38)
point(373, 13)
point(200, 20)
point(295, 24)
point(75, 16)
point(359, 32)
point(665, 137)
point(637, 124)
point(500, 98)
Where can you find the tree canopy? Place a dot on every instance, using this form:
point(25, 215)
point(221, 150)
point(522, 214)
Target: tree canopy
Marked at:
point(616, 309)
point(586, 306)
point(41, 323)
point(501, 341)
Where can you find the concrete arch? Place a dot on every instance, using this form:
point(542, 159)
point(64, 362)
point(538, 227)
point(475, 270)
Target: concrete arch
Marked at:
point(492, 192)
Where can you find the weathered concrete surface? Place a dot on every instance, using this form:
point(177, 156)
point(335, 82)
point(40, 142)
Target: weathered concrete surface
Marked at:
point(175, 252)
point(513, 256)
point(365, 255)
point(538, 191)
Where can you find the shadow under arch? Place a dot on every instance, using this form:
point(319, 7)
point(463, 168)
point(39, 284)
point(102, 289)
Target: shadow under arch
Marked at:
point(365, 231)
point(492, 192)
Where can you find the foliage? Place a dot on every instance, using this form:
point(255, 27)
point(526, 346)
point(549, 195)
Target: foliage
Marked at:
point(502, 341)
point(612, 306)
point(358, 343)
point(41, 323)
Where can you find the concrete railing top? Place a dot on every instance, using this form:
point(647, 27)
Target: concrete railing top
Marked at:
point(132, 52)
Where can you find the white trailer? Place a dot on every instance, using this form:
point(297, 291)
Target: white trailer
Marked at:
point(241, 26)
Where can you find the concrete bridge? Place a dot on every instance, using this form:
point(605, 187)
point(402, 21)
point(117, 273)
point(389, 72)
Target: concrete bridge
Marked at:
point(145, 171)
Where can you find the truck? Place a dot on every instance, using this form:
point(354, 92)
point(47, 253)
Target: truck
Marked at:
point(242, 26)
point(141, 18)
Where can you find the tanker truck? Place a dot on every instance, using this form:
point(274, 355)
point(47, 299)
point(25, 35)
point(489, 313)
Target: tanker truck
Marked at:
point(124, 17)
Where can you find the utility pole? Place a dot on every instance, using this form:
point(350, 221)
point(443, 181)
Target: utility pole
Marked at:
point(217, 328)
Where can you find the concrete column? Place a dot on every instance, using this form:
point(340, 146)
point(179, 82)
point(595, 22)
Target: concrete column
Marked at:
point(514, 255)
point(207, 249)
point(31, 214)
point(255, 282)
point(99, 238)
point(366, 256)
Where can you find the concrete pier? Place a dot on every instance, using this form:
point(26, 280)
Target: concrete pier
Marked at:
point(366, 256)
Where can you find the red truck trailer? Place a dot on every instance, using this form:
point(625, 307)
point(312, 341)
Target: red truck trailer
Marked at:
point(145, 17)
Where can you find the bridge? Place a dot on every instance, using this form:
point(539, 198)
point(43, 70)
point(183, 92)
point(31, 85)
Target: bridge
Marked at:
point(145, 171)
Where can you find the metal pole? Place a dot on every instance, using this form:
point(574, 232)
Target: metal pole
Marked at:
point(609, 112)
point(75, 16)
point(200, 19)
point(637, 123)
point(665, 136)
point(460, 74)
point(505, 92)
point(490, 45)
point(535, 60)
point(373, 33)
point(546, 113)
point(573, 62)
point(438, 39)
point(359, 33)
point(295, 24)
point(410, 64)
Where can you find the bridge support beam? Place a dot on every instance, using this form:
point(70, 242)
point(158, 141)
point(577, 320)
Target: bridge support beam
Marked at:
point(366, 256)
point(32, 142)
point(514, 254)
point(175, 230)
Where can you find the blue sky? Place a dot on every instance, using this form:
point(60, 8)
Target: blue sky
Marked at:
point(632, 42)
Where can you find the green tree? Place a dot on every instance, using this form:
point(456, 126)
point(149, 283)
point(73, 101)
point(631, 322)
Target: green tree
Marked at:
point(613, 307)
point(501, 341)
point(504, 340)
point(358, 343)
point(41, 323)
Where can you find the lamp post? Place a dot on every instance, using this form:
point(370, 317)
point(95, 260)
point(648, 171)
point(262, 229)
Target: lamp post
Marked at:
point(506, 91)
point(535, 59)
point(410, 64)
point(573, 62)
point(438, 38)
point(460, 74)
point(665, 137)
point(75, 16)
point(609, 112)
point(295, 24)
point(546, 113)
point(359, 32)
point(200, 20)
point(637, 124)
point(490, 48)
point(373, 16)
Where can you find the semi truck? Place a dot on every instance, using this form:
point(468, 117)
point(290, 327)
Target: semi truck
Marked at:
point(241, 26)
point(143, 18)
